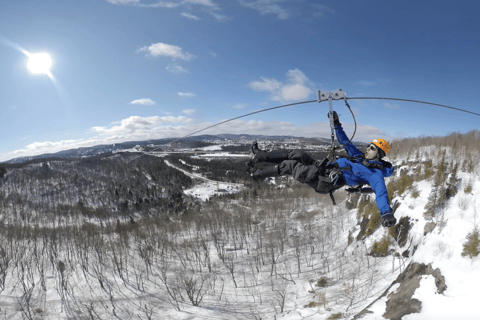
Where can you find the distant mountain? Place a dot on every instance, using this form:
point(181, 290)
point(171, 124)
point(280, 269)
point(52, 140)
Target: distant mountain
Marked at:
point(189, 142)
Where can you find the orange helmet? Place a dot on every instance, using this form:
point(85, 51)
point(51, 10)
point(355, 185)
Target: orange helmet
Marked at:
point(382, 144)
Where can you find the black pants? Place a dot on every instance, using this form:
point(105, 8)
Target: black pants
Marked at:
point(303, 168)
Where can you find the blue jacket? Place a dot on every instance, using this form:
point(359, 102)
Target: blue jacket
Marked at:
point(359, 174)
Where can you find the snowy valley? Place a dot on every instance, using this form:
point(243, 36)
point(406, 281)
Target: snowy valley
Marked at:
point(182, 237)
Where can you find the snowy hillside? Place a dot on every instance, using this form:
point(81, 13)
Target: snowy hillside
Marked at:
point(440, 248)
point(264, 251)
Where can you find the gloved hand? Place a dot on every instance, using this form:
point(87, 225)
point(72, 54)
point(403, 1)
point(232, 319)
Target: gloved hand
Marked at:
point(372, 165)
point(336, 121)
point(388, 220)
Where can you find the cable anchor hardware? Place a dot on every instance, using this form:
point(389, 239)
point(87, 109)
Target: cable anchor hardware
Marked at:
point(330, 96)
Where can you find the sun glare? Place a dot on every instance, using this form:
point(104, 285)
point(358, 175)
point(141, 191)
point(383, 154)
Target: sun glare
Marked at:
point(39, 63)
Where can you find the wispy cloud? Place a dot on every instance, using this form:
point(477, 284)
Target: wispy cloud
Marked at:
point(164, 4)
point(187, 94)
point(239, 106)
point(265, 7)
point(166, 50)
point(177, 69)
point(189, 16)
point(392, 106)
point(189, 111)
point(207, 3)
point(321, 10)
point(123, 1)
point(160, 4)
point(297, 87)
point(220, 17)
point(144, 102)
point(366, 83)
point(212, 54)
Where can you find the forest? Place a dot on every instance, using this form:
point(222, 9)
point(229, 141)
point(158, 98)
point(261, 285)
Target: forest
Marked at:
point(113, 236)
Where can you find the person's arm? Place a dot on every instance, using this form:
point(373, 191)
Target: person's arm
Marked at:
point(343, 139)
point(378, 185)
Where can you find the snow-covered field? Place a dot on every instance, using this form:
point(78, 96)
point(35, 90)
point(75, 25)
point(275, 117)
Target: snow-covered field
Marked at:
point(205, 191)
point(258, 259)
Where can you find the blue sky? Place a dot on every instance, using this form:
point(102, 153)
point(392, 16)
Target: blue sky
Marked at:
point(128, 70)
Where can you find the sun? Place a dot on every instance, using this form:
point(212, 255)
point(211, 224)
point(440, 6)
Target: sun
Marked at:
point(39, 63)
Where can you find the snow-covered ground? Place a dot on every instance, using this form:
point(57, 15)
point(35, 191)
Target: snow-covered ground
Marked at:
point(206, 190)
point(221, 155)
point(270, 270)
point(210, 188)
point(442, 249)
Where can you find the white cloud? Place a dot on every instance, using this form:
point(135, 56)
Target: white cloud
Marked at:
point(269, 85)
point(297, 87)
point(267, 7)
point(189, 16)
point(189, 111)
point(175, 68)
point(212, 54)
point(392, 106)
point(187, 94)
point(294, 92)
point(144, 102)
point(166, 50)
point(136, 125)
point(140, 129)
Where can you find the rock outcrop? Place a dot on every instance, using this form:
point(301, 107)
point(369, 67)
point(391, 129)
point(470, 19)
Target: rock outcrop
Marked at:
point(400, 302)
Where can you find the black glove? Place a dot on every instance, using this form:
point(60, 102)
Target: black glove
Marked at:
point(388, 220)
point(336, 121)
point(372, 165)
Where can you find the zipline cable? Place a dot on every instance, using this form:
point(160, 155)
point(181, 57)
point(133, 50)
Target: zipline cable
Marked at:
point(311, 101)
point(416, 101)
point(225, 121)
point(245, 115)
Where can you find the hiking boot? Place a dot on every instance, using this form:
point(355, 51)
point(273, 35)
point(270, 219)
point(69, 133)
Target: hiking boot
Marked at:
point(255, 148)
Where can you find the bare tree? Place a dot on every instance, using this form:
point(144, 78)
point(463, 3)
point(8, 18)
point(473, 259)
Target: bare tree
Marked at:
point(230, 264)
point(195, 286)
point(280, 291)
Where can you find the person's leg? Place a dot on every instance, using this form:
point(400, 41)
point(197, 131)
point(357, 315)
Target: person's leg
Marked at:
point(301, 156)
point(277, 156)
point(268, 172)
point(307, 174)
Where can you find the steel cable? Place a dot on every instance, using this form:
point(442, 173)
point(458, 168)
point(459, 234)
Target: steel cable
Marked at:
point(305, 102)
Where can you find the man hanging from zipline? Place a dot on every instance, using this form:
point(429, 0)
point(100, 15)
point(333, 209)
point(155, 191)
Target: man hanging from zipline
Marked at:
point(327, 176)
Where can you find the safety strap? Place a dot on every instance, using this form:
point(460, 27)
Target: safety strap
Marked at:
point(333, 199)
point(333, 177)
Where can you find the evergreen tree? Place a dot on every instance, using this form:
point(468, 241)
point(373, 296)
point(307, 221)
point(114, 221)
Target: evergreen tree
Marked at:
point(470, 247)
point(452, 182)
point(434, 200)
